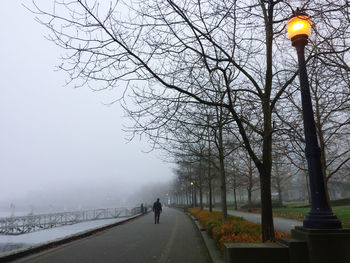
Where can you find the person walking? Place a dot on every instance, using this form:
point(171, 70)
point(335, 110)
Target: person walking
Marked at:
point(157, 209)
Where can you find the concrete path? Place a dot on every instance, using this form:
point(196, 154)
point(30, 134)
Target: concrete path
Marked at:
point(281, 224)
point(175, 239)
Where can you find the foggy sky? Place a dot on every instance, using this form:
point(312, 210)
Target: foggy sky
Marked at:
point(60, 144)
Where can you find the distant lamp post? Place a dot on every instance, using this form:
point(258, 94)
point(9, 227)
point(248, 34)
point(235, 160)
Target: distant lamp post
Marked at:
point(192, 192)
point(320, 215)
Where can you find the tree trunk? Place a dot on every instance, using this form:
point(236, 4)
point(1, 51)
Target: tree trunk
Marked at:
point(195, 196)
point(280, 201)
point(268, 232)
point(214, 194)
point(234, 192)
point(188, 194)
point(222, 174)
point(200, 185)
point(249, 199)
point(306, 175)
point(210, 196)
point(279, 188)
point(209, 167)
point(250, 185)
point(201, 198)
point(223, 190)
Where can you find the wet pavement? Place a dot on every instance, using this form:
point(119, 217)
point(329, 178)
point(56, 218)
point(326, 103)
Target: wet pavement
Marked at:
point(175, 239)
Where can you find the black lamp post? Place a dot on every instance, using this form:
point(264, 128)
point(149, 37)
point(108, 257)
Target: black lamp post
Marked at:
point(192, 193)
point(320, 215)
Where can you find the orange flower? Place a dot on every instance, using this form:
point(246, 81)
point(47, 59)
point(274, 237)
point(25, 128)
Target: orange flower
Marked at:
point(234, 229)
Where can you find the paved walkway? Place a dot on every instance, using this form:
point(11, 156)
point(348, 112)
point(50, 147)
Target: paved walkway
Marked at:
point(281, 224)
point(175, 239)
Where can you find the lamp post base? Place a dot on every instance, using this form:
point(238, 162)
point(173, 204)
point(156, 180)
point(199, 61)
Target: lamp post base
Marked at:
point(325, 245)
point(322, 221)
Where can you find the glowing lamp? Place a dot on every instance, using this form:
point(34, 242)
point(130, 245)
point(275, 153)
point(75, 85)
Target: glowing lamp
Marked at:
point(299, 25)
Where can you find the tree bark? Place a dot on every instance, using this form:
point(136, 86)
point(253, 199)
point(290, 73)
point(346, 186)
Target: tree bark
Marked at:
point(234, 191)
point(200, 185)
point(223, 190)
point(210, 195)
point(222, 172)
point(213, 193)
point(280, 200)
point(249, 200)
point(250, 186)
point(268, 232)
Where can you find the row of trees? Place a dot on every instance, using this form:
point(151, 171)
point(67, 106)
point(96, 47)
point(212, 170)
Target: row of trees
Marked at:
point(214, 82)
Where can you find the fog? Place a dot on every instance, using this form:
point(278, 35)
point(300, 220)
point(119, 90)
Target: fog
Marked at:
point(61, 147)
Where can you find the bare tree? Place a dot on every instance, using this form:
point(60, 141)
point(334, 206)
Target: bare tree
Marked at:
point(281, 174)
point(167, 53)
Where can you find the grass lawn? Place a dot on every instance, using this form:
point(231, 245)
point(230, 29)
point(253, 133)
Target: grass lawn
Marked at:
point(342, 212)
point(296, 211)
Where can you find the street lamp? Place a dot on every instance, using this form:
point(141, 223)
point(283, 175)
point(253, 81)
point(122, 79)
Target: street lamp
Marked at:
point(320, 215)
point(193, 197)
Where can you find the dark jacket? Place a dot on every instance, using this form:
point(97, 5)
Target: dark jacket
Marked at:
point(157, 207)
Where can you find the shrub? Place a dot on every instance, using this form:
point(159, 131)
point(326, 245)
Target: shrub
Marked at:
point(233, 230)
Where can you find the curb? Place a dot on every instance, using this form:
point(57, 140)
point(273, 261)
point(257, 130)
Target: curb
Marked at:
point(213, 251)
point(19, 253)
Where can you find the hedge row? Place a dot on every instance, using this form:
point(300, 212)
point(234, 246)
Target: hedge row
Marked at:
point(233, 230)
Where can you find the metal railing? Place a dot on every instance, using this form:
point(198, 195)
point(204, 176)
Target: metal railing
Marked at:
point(25, 224)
